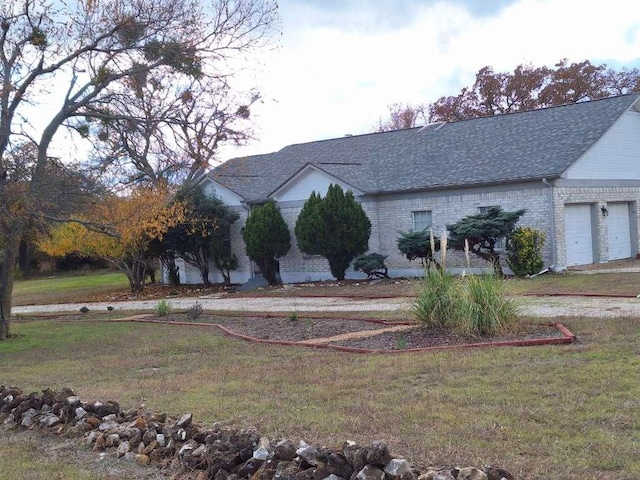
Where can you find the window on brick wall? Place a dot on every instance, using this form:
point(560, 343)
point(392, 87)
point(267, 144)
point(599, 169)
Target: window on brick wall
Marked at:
point(421, 220)
point(502, 242)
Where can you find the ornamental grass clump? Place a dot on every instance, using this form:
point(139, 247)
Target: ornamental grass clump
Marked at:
point(486, 310)
point(471, 305)
point(437, 303)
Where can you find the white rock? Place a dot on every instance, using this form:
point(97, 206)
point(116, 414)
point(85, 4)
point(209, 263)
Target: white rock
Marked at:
point(185, 448)
point(123, 449)
point(397, 467)
point(80, 412)
point(200, 451)
point(261, 453)
point(27, 417)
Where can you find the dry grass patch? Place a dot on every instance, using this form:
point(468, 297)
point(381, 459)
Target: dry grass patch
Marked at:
point(565, 412)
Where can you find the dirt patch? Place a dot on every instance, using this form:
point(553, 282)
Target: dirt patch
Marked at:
point(380, 288)
point(53, 450)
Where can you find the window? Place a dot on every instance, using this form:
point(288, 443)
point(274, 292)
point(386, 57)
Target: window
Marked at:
point(501, 243)
point(421, 220)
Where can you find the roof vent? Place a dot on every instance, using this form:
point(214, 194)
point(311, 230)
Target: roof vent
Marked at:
point(432, 127)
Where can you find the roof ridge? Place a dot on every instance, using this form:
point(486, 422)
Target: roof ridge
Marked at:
point(549, 107)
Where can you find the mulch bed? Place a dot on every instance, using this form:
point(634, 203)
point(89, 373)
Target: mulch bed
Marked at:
point(300, 329)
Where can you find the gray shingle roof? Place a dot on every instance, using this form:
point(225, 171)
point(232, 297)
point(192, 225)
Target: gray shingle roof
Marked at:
point(506, 148)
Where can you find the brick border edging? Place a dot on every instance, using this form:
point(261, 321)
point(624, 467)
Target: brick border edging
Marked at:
point(567, 338)
point(562, 294)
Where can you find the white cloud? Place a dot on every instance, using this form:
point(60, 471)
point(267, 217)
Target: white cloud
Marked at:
point(342, 62)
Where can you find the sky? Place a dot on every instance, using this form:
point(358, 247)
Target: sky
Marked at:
point(338, 64)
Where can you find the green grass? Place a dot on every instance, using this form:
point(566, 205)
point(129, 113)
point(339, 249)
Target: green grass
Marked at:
point(568, 412)
point(552, 283)
point(66, 288)
point(82, 288)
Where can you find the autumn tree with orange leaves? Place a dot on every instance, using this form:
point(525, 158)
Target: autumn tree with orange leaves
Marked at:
point(118, 229)
point(529, 88)
point(526, 88)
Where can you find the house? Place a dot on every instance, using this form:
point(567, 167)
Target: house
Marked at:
point(574, 168)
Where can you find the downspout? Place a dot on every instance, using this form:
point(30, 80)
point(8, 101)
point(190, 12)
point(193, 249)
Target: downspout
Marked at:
point(553, 225)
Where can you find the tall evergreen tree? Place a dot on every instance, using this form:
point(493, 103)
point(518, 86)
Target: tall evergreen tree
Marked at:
point(309, 226)
point(335, 227)
point(267, 238)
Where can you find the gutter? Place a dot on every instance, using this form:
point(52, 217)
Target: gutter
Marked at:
point(438, 187)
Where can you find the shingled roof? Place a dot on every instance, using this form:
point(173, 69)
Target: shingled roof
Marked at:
point(483, 151)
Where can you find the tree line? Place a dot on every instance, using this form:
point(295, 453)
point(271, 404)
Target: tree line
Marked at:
point(527, 87)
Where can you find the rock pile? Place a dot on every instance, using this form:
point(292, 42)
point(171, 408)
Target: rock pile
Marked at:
point(216, 453)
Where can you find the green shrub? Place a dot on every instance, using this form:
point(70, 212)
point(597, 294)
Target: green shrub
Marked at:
point(163, 308)
point(372, 264)
point(524, 251)
point(486, 310)
point(482, 232)
point(419, 245)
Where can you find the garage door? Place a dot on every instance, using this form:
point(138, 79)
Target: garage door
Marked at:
point(619, 231)
point(577, 229)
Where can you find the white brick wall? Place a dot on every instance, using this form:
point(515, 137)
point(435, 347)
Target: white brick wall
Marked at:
point(392, 213)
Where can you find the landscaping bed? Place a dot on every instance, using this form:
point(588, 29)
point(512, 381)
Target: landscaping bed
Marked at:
point(363, 334)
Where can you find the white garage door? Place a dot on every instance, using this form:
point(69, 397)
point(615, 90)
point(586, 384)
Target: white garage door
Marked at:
point(577, 229)
point(619, 231)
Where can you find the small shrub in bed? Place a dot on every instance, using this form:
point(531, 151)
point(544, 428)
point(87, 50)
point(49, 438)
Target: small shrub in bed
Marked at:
point(163, 308)
point(524, 247)
point(194, 312)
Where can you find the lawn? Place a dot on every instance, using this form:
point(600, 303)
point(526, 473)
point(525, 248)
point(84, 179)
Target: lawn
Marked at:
point(103, 286)
point(567, 412)
point(66, 288)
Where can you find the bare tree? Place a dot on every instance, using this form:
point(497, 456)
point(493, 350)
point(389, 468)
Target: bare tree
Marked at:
point(159, 129)
point(401, 116)
point(92, 47)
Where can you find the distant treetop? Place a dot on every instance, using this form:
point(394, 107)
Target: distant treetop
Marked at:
point(526, 88)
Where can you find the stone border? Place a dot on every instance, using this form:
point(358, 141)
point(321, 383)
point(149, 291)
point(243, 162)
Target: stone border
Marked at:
point(195, 451)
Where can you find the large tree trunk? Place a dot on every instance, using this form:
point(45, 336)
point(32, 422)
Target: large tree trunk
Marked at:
point(269, 269)
point(7, 275)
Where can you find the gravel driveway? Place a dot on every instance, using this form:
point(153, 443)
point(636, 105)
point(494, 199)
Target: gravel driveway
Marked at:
point(536, 306)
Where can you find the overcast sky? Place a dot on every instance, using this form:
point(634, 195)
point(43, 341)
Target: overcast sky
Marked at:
point(341, 62)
